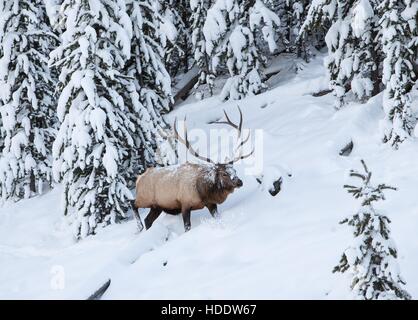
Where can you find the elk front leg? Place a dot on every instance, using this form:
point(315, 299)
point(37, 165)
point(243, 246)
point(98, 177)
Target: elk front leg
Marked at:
point(186, 219)
point(213, 209)
point(152, 216)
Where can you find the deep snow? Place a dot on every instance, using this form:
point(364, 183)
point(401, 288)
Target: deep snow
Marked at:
point(263, 247)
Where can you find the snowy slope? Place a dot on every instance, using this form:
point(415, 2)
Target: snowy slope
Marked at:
point(263, 246)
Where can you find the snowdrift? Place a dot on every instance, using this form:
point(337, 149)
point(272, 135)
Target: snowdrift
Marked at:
point(263, 247)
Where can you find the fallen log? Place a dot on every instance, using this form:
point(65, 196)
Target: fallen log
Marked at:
point(271, 74)
point(185, 89)
point(185, 85)
point(99, 292)
point(321, 93)
point(348, 148)
point(184, 92)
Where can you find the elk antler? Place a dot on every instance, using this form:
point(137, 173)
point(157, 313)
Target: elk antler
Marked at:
point(186, 142)
point(238, 127)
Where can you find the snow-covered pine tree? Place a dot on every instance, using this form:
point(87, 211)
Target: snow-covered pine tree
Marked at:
point(292, 14)
point(150, 90)
point(399, 45)
point(366, 58)
point(230, 31)
point(52, 10)
point(242, 58)
point(175, 28)
point(27, 105)
point(299, 10)
point(199, 13)
point(371, 259)
point(96, 132)
point(317, 21)
point(352, 61)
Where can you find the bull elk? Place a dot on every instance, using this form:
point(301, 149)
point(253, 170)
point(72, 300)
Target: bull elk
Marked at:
point(185, 187)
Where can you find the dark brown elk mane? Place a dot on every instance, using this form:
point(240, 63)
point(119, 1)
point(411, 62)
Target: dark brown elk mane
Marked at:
point(212, 190)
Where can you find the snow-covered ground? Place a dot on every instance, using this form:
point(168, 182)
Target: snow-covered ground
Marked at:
point(263, 247)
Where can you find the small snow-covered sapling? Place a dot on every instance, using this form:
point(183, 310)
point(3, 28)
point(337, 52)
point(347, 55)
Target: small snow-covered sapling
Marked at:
point(272, 179)
point(371, 258)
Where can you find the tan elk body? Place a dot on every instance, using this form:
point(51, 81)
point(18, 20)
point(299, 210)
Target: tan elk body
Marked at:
point(174, 187)
point(181, 188)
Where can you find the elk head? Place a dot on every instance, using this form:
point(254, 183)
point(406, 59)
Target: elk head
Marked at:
point(225, 176)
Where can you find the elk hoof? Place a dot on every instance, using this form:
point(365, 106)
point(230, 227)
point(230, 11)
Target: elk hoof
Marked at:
point(187, 228)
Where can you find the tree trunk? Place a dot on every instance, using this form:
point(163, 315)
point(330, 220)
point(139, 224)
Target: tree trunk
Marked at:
point(375, 73)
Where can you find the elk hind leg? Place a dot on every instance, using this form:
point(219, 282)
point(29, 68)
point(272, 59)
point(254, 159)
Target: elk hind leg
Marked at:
point(186, 219)
point(138, 220)
point(152, 216)
point(136, 216)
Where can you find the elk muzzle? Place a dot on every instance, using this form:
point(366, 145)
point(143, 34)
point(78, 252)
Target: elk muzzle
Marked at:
point(238, 182)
